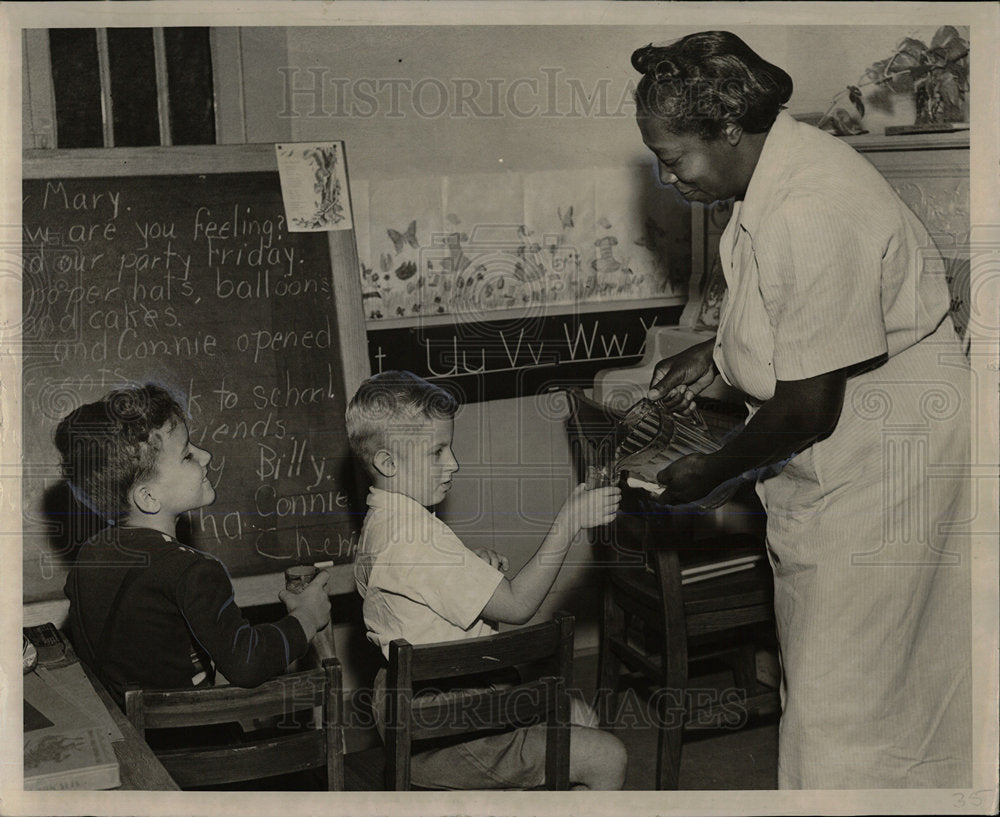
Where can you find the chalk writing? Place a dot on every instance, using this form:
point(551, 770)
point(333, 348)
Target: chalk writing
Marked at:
point(193, 282)
point(509, 361)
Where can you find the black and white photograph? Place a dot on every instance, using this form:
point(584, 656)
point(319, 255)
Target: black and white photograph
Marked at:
point(500, 408)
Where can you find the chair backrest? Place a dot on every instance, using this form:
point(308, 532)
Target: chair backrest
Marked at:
point(304, 710)
point(548, 646)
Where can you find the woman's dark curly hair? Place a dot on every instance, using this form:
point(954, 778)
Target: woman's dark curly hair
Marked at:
point(703, 81)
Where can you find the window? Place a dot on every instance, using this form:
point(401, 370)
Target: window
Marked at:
point(131, 87)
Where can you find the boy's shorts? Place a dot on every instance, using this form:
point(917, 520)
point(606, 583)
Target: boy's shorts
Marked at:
point(507, 760)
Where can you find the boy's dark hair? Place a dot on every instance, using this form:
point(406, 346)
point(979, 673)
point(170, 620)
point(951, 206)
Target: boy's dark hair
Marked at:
point(108, 446)
point(391, 399)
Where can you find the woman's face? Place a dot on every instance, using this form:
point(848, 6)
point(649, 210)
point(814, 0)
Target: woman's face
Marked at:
point(699, 170)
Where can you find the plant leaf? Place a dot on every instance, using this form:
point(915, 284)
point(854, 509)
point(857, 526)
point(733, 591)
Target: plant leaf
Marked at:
point(912, 48)
point(901, 83)
point(855, 95)
point(950, 91)
point(944, 35)
point(954, 50)
point(876, 69)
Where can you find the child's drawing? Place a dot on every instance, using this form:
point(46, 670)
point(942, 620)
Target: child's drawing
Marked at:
point(403, 215)
point(473, 245)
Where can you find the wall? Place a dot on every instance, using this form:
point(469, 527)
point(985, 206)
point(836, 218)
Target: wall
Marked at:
point(517, 98)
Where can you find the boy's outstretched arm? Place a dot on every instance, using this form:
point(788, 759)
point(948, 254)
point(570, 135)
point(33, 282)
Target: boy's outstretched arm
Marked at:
point(518, 598)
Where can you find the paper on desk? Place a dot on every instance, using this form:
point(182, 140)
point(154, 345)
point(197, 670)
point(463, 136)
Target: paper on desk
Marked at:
point(74, 686)
point(56, 710)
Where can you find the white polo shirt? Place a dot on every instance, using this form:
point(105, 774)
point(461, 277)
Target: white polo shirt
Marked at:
point(417, 579)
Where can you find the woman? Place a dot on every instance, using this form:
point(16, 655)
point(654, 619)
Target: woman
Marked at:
point(835, 327)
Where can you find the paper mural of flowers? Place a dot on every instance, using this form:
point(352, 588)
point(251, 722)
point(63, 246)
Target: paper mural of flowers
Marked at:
point(557, 244)
point(326, 185)
point(937, 78)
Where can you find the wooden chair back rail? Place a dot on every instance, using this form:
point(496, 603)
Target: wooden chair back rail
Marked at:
point(522, 705)
point(741, 593)
point(317, 691)
point(455, 658)
point(229, 764)
point(203, 706)
point(728, 619)
point(543, 700)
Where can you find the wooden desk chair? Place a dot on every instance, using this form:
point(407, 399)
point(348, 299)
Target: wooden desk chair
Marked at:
point(654, 625)
point(305, 706)
point(410, 719)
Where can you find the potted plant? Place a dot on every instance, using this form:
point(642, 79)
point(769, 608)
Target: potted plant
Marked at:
point(936, 78)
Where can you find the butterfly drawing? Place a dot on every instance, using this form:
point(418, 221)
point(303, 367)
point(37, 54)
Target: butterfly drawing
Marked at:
point(409, 237)
point(406, 270)
point(566, 218)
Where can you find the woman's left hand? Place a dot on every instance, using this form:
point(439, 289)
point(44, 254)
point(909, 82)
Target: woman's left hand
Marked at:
point(689, 478)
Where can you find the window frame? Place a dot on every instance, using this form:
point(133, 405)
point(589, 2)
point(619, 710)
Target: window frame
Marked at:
point(39, 130)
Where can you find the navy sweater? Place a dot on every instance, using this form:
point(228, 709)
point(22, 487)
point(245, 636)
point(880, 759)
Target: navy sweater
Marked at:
point(176, 619)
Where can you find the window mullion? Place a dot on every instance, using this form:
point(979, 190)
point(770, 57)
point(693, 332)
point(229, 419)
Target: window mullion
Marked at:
point(107, 103)
point(162, 86)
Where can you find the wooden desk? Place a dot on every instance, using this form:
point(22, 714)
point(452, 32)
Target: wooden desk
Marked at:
point(138, 768)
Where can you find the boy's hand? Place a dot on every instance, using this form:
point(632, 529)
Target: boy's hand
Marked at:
point(311, 606)
point(589, 508)
point(497, 560)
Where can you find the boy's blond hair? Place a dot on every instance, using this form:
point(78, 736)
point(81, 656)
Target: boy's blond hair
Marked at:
point(388, 400)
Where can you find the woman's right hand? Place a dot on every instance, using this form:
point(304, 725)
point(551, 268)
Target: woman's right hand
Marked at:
point(676, 380)
point(588, 508)
point(311, 605)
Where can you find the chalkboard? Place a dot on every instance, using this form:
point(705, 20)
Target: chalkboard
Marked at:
point(175, 266)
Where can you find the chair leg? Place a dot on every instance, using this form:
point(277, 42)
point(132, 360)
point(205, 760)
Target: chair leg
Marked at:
point(668, 743)
point(672, 711)
point(744, 668)
point(674, 686)
point(608, 663)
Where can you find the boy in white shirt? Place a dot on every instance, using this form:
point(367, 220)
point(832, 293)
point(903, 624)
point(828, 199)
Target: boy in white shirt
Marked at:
point(419, 582)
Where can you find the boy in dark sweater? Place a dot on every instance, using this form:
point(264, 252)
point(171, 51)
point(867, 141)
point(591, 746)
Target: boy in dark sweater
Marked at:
point(144, 608)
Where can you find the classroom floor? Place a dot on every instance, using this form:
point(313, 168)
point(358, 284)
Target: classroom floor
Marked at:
point(711, 760)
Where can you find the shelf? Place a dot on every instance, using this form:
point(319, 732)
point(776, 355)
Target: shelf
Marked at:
point(871, 142)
